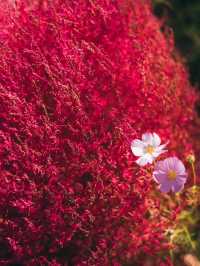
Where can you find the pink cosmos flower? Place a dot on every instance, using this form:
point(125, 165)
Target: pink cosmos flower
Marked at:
point(170, 174)
point(148, 148)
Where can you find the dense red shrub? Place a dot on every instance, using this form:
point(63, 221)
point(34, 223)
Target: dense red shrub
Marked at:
point(79, 79)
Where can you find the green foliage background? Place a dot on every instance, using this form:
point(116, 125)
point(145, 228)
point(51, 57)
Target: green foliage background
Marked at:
point(183, 16)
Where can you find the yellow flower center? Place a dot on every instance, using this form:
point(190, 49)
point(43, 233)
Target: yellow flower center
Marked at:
point(171, 175)
point(150, 149)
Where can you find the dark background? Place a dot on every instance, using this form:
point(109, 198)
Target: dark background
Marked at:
point(183, 16)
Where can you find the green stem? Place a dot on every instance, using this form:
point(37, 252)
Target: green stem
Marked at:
point(189, 237)
point(194, 174)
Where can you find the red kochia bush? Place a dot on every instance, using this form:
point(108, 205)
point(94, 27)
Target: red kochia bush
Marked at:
point(79, 79)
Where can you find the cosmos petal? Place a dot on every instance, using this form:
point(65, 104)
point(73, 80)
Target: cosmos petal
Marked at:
point(137, 151)
point(138, 143)
point(169, 163)
point(165, 186)
point(182, 178)
point(158, 152)
point(137, 147)
point(161, 147)
point(177, 186)
point(145, 159)
point(161, 166)
point(159, 177)
point(156, 140)
point(147, 138)
point(179, 167)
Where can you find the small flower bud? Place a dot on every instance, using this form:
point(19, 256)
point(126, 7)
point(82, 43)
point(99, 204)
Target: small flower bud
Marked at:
point(191, 158)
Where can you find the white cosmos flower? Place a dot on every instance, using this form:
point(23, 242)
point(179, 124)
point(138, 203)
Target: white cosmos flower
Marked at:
point(148, 148)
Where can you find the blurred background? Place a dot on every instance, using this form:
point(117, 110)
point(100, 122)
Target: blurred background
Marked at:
point(183, 16)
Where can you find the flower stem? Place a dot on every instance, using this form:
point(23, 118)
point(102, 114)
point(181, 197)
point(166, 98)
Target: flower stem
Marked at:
point(189, 237)
point(194, 187)
point(194, 174)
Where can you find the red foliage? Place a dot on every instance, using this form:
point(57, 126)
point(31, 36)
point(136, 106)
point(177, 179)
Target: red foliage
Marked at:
point(79, 79)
